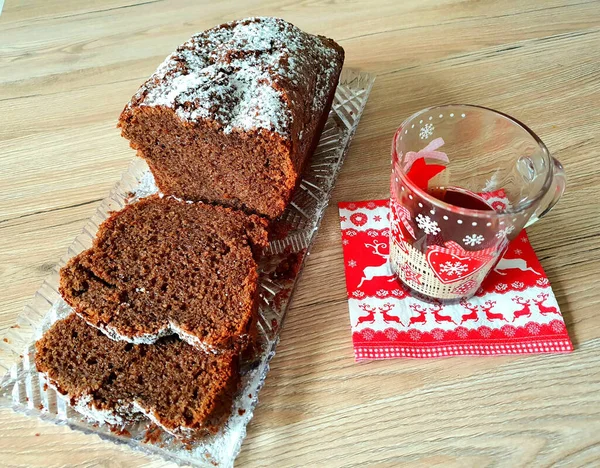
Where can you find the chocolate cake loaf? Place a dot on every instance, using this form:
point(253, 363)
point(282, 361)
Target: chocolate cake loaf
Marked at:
point(170, 382)
point(162, 266)
point(234, 113)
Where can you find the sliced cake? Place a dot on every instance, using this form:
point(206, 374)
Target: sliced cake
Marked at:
point(175, 385)
point(234, 113)
point(162, 266)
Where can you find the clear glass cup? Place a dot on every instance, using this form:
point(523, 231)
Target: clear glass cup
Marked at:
point(496, 178)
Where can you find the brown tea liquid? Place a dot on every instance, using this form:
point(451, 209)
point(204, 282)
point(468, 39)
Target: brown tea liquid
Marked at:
point(460, 198)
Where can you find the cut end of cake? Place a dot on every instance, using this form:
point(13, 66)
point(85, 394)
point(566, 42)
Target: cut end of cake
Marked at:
point(162, 266)
point(170, 382)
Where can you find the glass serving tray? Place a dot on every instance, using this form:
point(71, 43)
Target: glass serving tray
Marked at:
point(23, 389)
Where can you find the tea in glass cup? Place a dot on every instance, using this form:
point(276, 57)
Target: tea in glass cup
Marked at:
point(465, 181)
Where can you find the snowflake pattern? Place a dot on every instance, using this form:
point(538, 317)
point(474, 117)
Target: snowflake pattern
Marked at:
point(505, 232)
point(543, 282)
point(368, 334)
point(359, 219)
point(498, 206)
point(351, 206)
point(397, 231)
point(426, 131)
point(371, 205)
point(557, 326)
point(410, 274)
point(473, 240)
point(426, 224)
point(465, 287)
point(453, 268)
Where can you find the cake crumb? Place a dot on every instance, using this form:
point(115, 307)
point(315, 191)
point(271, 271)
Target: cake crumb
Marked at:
point(279, 230)
point(120, 431)
point(5, 340)
point(130, 196)
point(281, 296)
point(241, 411)
point(153, 434)
point(188, 445)
point(289, 266)
point(37, 434)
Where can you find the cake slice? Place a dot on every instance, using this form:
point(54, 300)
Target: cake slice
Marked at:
point(173, 384)
point(162, 266)
point(234, 113)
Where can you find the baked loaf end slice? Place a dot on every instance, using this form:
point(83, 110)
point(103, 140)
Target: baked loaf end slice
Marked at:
point(180, 388)
point(234, 113)
point(162, 266)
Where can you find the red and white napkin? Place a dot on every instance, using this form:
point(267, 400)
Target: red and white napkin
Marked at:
point(514, 312)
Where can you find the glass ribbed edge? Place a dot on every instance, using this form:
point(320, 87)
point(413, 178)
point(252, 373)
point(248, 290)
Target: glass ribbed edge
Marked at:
point(23, 389)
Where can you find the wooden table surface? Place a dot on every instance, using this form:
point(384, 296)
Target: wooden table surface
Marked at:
point(68, 67)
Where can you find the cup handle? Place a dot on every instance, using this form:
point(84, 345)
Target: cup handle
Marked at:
point(559, 182)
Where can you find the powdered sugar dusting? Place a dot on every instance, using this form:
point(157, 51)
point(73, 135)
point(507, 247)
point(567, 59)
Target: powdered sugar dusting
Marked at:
point(192, 339)
point(120, 416)
point(242, 75)
point(178, 432)
point(150, 338)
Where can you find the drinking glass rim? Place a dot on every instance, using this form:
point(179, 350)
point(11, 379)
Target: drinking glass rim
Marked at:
point(470, 211)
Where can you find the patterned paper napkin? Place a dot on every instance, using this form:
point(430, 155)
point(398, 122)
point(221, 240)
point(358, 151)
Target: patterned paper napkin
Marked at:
point(514, 312)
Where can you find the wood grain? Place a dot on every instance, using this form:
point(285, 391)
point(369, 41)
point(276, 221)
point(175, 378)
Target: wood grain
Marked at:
point(68, 67)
